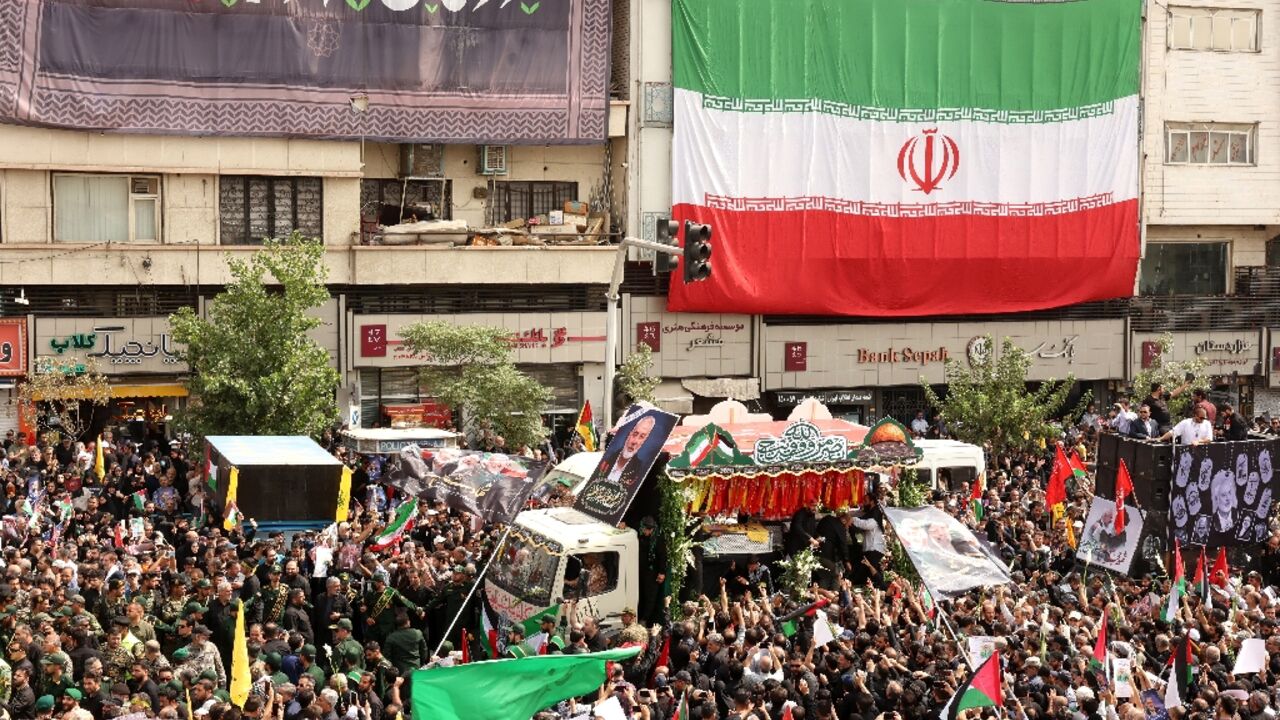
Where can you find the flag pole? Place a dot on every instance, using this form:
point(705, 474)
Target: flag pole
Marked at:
point(479, 578)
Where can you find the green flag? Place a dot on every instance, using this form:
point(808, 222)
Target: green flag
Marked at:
point(509, 689)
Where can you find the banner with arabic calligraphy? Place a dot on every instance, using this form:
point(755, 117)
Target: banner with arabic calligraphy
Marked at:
point(493, 486)
point(637, 442)
point(459, 71)
point(117, 345)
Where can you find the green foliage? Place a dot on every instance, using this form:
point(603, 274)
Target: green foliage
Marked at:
point(1172, 374)
point(635, 377)
point(797, 573)
point(254, 371)
point(675, 525)
point(471, 371)
point(911, 492)
point(988, 401)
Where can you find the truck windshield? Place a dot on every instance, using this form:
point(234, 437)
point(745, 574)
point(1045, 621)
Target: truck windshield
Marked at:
point(527, 567)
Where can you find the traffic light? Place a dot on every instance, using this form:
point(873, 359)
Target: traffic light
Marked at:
point(668, 232)
point(697, 251)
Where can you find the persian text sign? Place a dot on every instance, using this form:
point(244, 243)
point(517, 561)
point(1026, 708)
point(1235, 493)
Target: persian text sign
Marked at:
point(119, 346)
point(462, 71)
point(13, 347)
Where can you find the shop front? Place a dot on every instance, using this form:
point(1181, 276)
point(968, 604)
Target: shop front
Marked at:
point(700, 358)
point(563, 351)
point(1233, 360)
point(13, 366)
point(138, 357)
point(865, 372)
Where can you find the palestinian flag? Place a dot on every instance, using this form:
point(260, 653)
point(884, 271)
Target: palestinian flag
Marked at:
point(210, 470)
point(975, 496)
point(986, 147)
point(139, 500)
point(1077, 465)
point(1124, 489)
point(682, 710)
point(535, 641)
point(1100, 646)
point(926, 602)
point(488, 631)
point(805, 611)
point(982, 690)
point(1177, 587)
point(401, 524)
point(706, 442)
point(1201, 578)
point(1180, 668)
point(586, 428)
point(1056, 493)
point(790, 628)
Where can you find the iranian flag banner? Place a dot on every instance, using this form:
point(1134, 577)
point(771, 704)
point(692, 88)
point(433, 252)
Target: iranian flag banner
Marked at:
point(907, 157)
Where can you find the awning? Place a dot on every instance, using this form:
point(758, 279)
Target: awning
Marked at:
point(132, 390)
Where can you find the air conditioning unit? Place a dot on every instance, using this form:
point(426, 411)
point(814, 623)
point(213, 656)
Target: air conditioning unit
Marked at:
point(421, 161)
point(144, 185)
point(492, 160)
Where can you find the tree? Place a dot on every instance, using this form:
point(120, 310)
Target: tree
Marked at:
point(634, 377)
point(471, 370)
point(64, 388)
point(1172, 374)
point(988, 402)
point(254, 370)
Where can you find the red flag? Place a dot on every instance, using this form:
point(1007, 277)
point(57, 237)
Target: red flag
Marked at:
point(1199, 577)
point(1057, 492)
point(1077, 465)
point(786, 713)
point(466, 647)
point(664, 657)
point(1124, 488)
point(1221, 571)
point(979, 487)
point(119, 535)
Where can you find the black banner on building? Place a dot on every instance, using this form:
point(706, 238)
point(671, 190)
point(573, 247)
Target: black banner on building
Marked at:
point(1222, 493)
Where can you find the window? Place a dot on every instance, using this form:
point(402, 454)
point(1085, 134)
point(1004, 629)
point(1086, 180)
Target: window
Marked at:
point(1198, 268)
point(252, 208)
point(1221, 29)
point(1210, 143)
point(106, 208)
point(423, 199)
point(522, 200)
point(591, 574)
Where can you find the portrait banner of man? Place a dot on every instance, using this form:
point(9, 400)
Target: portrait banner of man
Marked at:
point(627, 460)
point(1223, 492)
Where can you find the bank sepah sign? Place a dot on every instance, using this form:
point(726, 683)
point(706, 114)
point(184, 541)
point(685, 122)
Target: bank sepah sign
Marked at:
point(118, 346)
point(878, 355)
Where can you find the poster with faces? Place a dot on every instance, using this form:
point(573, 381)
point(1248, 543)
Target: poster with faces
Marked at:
point(1222, 492)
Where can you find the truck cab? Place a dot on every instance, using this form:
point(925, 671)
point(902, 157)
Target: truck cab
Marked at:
point(560, 555)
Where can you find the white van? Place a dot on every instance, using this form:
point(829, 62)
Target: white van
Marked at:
point(557, 555)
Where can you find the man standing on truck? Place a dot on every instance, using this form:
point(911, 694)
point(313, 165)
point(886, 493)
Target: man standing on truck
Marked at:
point(653, 572)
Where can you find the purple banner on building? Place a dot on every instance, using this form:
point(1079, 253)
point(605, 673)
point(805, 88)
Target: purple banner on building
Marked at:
point(458, 71)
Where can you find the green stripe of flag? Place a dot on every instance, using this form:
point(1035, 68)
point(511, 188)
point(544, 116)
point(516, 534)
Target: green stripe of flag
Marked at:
point(973, 698)
point(987, 54)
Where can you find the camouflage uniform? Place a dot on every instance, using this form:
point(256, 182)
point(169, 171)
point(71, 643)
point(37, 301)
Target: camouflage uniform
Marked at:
point(116, 662)
point(169, 611)
point(206, 658)
point(94, 625)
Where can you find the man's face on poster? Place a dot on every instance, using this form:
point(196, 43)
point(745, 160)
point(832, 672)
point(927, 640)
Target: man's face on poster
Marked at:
point(638, 435)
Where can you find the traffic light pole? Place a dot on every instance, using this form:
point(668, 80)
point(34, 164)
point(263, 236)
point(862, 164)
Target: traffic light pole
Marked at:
point(611, 317)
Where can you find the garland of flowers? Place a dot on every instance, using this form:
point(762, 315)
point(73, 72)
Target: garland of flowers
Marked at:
point(674, 525)
point(797, 572)
point(910, 493)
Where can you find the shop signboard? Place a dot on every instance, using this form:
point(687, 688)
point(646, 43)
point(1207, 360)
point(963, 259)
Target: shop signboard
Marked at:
point(536, 338)
point(13, 347)
point(883, 355)
point(1222, 351)
point(689, 344)
point(119, 346)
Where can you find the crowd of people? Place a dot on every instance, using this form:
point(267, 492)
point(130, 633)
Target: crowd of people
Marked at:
point(120, 598)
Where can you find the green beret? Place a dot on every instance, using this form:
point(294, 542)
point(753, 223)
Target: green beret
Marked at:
point(352, 654)
point(354, 676)
point(193, 607)
point(204, 583)
point(181, 653)
point(56, 658)
point(45, 703)
point(272, 659)
point(309, 650)
point(74, 694)
point(209, 675)
point(222, 695)
point(342, 624)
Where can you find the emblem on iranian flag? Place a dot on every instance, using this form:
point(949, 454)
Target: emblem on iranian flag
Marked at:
point(928, 158)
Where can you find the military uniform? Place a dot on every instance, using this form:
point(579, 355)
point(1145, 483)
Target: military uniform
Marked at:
point(380, 611)
point(406, 648)
point(116, 662)
point(344, 649)
point(169, 610)
point(94, 625)
point(205, 659)
point(274, 601)
point(381, 679)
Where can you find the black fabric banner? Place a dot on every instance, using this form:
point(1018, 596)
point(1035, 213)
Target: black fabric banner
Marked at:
point(460, 71)
point(1222, 493)
point(491, 485)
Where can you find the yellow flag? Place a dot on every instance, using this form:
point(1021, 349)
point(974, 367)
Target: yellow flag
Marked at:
point(240, 681)
point(1056, 512)
point(232, 514)
point(344, 495)
point(1071, 536)
point(99, 464)
point(189, 715)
